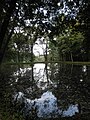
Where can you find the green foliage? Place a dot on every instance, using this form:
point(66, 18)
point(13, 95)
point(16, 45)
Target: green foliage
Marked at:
point(69, 46)
point(37, 18)
point(83, 19)
point(19, 49)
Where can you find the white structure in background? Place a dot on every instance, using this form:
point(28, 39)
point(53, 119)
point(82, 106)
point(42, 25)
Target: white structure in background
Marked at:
point(46, 106)
point(39, 47)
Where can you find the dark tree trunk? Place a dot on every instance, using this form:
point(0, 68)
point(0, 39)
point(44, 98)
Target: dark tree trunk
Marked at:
point(32, 60)
point(4, 26)
point(2, 52)
point(46, 60)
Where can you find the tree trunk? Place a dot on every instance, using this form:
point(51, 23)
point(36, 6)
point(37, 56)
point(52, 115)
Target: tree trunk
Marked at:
point(2, 52)
point(46, 60)
point(32, 60)
point(5, 24)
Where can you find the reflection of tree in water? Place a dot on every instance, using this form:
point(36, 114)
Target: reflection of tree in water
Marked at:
point(43, 107)
point(6, 90)
point(71, 85)
point(31, 80)
point(25, 82)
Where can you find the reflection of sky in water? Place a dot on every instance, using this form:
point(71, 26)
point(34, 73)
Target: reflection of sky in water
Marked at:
point(39, 74)
point(46, 106)
point(84, 68)
point(21, 71)
point(69, 89)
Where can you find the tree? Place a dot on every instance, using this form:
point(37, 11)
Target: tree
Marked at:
point(4, 24)
point(46, 15)
point(83, 19)
point(69, 47)
point(42, 13)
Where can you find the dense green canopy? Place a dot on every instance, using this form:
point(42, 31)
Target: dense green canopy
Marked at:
point(51, 17)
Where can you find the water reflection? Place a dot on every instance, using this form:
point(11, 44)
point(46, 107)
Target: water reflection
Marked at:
point(67, 86)
point(22, 72)
point(84, 68)
point(45, 107)
point(39, 75)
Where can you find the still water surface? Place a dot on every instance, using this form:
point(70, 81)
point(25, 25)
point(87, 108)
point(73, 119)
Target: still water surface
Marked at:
point(51, 90)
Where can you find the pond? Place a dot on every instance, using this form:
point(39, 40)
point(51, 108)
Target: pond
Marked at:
point(46, 90)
